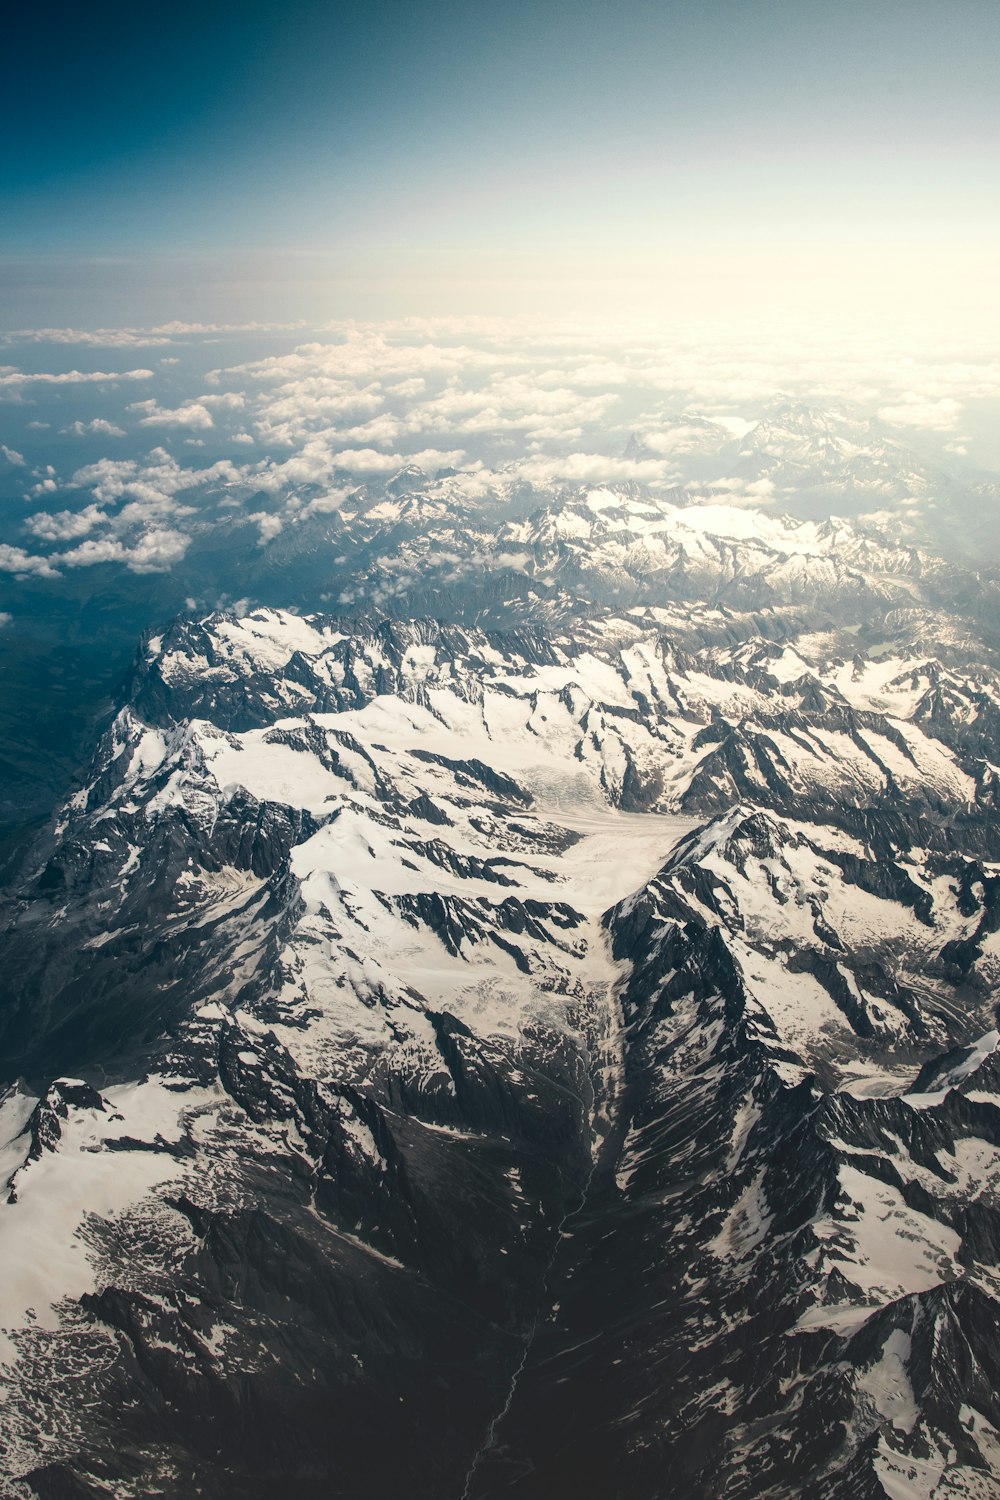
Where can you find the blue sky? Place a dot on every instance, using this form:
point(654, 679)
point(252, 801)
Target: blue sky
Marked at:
point(372, 151)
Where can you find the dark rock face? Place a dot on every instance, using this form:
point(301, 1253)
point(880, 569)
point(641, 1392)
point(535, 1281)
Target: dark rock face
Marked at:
point(560, 1061)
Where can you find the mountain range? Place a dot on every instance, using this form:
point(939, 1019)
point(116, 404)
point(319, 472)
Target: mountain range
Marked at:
point(525, 1025)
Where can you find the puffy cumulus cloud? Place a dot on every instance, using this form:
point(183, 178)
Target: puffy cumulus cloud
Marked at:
point(110, 478)
point(324, 505)
point(99, 425)
point(300, 408)
point(380, 430)
point(141, 535)
point(91, 553)
point(531, 404)
point(267, 525)
point(12, 456)
point(194, 415)
point(152, 508)
point(485, 379)
point(5, 618)
point(369, 461)
point(160, 475)
point(132, 520)
point(12, 377)
point(368, 353)
point(224, 400)
point(313, 464)
point(914, 410)
point(596, 468)
point(155, 552)
point(65, 525)
point(16, 560)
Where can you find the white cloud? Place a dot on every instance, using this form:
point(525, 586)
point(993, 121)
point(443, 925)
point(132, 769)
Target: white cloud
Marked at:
point(65, 525)
point(536, 403)
point(156, 552)
point(366, 353)
point(98, 425)
point(224, 400)
point(176, 327)
point(682, 438)
point(913, 410)
point(90, 553)
point(121, 338)
point(599, 468)
point(16, 560)
point(194, 415)
point(738, 491)
point(379, 430)
point(12, 456)
point(110, 479)
point(102, 338)
point(505, 400)
point(368, 461)
point(268, 525)
point(150, 508)
point(9, 377)
point(325, 505)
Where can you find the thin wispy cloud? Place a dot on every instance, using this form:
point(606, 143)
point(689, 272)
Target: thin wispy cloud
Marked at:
point(10, 377)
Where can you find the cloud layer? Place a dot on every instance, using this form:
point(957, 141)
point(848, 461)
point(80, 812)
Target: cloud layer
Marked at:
point(501, 402)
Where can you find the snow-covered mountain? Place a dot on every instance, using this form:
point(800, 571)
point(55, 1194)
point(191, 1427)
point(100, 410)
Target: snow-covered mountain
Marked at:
point(548, 1049)
point(815, 459)
point(621, 545)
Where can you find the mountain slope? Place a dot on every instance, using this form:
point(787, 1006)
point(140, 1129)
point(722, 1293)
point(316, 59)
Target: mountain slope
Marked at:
point(552, 1060)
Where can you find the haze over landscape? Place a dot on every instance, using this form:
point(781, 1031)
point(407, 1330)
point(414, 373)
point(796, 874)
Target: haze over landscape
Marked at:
point(499, 697)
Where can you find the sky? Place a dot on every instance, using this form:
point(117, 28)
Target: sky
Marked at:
point(731, 158)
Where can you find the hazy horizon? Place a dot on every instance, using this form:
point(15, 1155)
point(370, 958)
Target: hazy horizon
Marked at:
point(725, 163)
point(250, 259)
